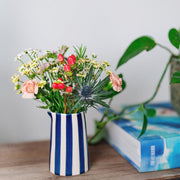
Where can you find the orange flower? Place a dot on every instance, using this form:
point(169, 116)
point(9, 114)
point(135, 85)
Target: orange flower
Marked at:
point(116, 82)
point(29, 88)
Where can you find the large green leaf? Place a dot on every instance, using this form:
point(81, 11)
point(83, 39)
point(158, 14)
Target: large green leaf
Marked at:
point(143, 109)
point(174, 37)
point(175, 78)
point(136, 47)
point(144, 126)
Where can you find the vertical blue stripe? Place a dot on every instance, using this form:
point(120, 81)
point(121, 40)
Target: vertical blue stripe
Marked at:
point(69, 145)
point(50, 139)
point(57, 144)
point(81, 143)
point(86, 138)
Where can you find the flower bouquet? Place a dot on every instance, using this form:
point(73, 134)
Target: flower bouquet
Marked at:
point(67, 86)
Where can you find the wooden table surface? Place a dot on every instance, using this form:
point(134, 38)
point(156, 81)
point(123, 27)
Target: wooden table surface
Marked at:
point(30, 161)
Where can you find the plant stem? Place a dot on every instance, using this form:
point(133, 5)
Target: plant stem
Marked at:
point(106, 111)
point(155, 92)
point(20, 61)
point(110, 119)
point(29, 56)
point(64, 104)
point(121, 114)
point(167, 49)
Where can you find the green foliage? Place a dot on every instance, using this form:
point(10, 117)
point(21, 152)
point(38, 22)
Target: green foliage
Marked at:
point(175, 78)
point(51, 55)
point(145, 121)
point(174, 37)
point(43, 107)
point(80, 51)
point(89, 93)
point(144, 127)
point(100, 134)
point(150, 112)
point(136, 47)
point(83, 79)
point(146, 112)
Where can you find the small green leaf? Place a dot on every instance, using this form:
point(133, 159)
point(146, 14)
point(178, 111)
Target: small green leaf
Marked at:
point(174, 37)
point(177, 74)
point(100, 85)
point(150, 112)
point(52, 55)
point(175, 78)
point(144, 126)
point(99, 136)
point(43, 99)
point(100, 102)
point(43, 107)
point(141, 108)
point(136, 47)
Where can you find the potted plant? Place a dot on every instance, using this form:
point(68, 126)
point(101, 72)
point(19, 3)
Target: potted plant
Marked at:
point(147, 43)
point(137, 46)
point(67, 87)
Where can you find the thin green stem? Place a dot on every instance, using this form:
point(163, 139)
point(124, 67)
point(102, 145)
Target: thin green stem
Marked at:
point(21, 81)
point(106, 111)
point(167, 49)
point(155, 92)
point(108, 120)
point(29, 56)
point(20, 61)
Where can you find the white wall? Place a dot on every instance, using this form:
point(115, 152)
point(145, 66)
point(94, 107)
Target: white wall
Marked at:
point(104, 26)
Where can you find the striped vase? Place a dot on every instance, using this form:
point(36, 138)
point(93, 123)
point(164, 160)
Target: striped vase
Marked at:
point(68, 154)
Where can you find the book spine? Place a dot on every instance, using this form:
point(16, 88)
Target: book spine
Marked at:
point(152, 149)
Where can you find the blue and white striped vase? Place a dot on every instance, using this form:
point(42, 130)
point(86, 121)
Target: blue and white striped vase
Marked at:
point(68, 154)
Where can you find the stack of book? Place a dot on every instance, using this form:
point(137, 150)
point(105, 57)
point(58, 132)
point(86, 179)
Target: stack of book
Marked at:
point(157, 149)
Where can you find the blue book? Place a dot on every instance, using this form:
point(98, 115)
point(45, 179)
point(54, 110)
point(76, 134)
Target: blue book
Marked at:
point(157, 149)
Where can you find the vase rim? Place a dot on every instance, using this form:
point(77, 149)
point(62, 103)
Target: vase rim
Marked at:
point(66, 114)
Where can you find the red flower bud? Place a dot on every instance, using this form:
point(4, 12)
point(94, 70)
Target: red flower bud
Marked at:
point(67, 68)
point(61, 58)
point(74, 57)
point(55, 86)
point(71, 60)
point(61, 86)
point(69, 89)
point(60, 79)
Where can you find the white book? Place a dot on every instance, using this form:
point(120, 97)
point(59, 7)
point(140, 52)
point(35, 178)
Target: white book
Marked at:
point(157, 149)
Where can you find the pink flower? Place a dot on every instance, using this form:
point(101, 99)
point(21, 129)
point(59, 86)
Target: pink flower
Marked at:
point(44, 66)
point(29, 88)
point(116, 82)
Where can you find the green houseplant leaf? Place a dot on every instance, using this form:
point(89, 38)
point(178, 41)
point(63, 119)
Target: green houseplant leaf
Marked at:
point(175, 78)
point(150, 112)
point(144, 126)
point(145, 120)
point(136, 47)
point(174, 37)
